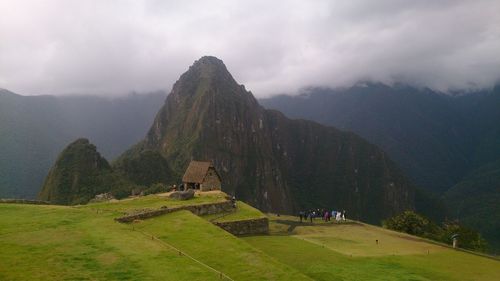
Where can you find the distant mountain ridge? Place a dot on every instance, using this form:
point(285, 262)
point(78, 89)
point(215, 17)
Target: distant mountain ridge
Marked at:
point(275, 163)
point(34, 129)
point(436, 139)
point(447, 144)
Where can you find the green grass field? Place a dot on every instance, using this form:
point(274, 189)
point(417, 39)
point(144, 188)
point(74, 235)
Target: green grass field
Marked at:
point(243, 212)
point(348, 251)
point(40, 242)
point(84, 243)
point(154, 202)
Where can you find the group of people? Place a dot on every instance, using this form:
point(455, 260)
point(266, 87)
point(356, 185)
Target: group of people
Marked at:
point(324, 214)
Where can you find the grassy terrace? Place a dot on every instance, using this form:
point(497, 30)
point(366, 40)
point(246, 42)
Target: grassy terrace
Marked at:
point(348, 251)
point(219, 249)
point(62, 243)
point(243, 212)
point(154, 202)
point(78, 243)
point(44, 242)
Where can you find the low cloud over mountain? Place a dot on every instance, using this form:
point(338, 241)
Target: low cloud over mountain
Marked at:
point(108, 47)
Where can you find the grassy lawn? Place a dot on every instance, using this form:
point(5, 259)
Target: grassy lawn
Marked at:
point(78, 243)
point(326, 251)
point(63, 243)
point(84, 243)
point(154, 201)
point(219, 249)
point(242, 212)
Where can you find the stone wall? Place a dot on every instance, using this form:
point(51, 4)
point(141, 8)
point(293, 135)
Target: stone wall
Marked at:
point(211, 181)
point(242, 227)
point(200, 210)
point(24, 201)
point(211, 208)
point(245, 227)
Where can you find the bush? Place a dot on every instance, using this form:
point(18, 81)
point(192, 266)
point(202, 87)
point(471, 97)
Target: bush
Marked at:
point(467, 237)
point(415, 224)
point(411, 223)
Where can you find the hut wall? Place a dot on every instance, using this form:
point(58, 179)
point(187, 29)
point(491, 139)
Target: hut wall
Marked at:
point(211, 181)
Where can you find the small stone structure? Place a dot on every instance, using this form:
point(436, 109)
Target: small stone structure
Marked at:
point(202, 176)
point(245, 227)
point(102, 197)
point(182, 195)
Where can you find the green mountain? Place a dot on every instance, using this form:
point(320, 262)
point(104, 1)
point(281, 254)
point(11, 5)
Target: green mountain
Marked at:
point(475, 201)
point(34, 130)
point(435, 138)
point(420, 129)
point(447, 144)
point(146, 168)
point(79, 174)
point(275, 163)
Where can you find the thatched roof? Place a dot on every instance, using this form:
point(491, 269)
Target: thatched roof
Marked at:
point(196, 171)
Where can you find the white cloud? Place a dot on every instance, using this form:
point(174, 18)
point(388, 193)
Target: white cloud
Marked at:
point(114, 47)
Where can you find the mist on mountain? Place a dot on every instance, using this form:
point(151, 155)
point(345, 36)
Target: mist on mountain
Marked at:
point(34, 129)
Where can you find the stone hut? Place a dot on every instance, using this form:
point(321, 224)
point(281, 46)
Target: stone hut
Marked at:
point(202, 176)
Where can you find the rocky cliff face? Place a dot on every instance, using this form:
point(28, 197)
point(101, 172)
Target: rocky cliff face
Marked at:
point(268, 160)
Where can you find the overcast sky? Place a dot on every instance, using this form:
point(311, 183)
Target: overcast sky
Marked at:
point(115, 47)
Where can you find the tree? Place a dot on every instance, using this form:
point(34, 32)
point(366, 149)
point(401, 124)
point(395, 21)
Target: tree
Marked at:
point(411, 223)
point(415, 224)
point(467, 237)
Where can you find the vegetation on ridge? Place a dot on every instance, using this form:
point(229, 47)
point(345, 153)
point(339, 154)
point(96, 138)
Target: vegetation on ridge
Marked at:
point(414, 224)
point(80, 173)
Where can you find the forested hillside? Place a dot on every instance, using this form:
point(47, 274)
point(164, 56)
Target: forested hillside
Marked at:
point(448, 144)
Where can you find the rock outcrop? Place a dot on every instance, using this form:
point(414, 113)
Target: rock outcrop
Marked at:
point(182, 195)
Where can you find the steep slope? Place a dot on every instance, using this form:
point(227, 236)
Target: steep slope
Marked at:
point(267, 159)
point(482, 112)
point(29, 142)
point(435, 138)
point(475, 201)
point(145, 169)
point(79, 173)
point(34, 129)
point(440, 141)
point(420, 129)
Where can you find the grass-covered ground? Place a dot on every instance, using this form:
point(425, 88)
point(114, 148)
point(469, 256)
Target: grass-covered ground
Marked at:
point(242, 212)
point(154, 201)
point(348, 251)
point(85, 243)
point(63, 243)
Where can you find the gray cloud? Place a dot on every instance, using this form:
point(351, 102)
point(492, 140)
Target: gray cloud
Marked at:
point(114, 47)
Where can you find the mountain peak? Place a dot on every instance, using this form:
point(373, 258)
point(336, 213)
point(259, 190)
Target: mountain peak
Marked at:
point(207, 75)
point(209, 60)
point(79, 173)
point(209, 67)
